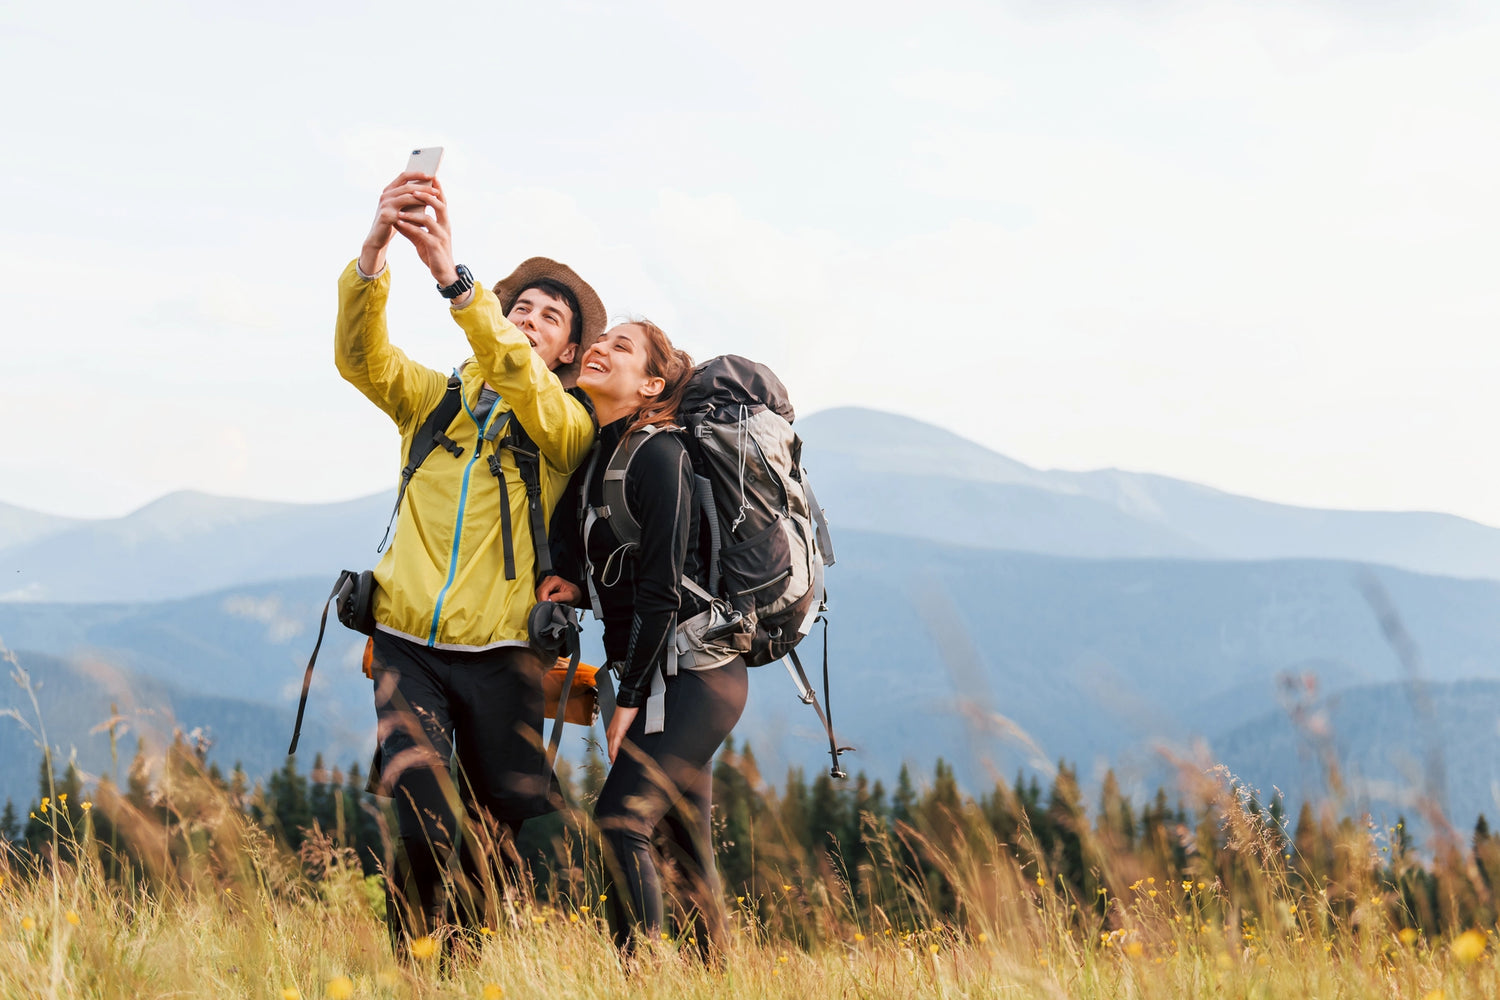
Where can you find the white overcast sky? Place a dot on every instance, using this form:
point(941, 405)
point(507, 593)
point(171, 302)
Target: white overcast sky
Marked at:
point(1253, 245)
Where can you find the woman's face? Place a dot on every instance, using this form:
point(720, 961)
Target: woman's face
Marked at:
point(615, 368)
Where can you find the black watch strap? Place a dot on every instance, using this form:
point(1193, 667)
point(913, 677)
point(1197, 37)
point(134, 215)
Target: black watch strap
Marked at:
point(463, 284)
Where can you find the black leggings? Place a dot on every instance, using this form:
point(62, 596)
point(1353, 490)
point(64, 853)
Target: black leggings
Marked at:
point(666, 779)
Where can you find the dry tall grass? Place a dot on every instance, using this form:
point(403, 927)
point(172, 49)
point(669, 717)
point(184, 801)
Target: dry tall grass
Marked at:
point(220, 910)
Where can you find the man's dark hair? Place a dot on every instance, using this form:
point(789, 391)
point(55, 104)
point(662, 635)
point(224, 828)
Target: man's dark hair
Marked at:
point(558, 290)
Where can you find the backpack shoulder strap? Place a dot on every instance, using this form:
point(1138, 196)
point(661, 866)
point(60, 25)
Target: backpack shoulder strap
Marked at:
point(431, 433)
point(615, 509)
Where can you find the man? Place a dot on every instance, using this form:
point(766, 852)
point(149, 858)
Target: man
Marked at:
point(452, 669)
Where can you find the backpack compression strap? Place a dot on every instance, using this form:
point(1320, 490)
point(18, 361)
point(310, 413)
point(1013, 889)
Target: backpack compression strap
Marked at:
point(809, 697)
point(428, 436)
point(528, 459)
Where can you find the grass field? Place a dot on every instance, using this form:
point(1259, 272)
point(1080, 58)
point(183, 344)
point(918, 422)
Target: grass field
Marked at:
point(182, 893)
point(242, 918)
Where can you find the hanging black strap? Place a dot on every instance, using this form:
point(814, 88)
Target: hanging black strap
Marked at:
point(575, 654)
point(528, 459)
point(810, 697)
point(346, 583)
point(428, 436)
point(529, 464)
point(507, 545)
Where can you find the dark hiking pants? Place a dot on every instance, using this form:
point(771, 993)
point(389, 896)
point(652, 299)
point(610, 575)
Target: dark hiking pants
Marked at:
point(482, 711)
point(665, 780)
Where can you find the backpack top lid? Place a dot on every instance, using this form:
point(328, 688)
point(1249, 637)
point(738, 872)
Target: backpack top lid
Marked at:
point(730, 380)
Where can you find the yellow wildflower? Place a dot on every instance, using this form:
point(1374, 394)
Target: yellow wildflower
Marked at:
point(290, 993)
point(602, 897)
point(1408, 936)
point(492, 991)
point(27, 924)
point(934, 948)
point(1292, 910)
point(1039, 880)
point(583, 909)
point(782, 959)
point(489, 931)
point(72, 917)
point(1201, 885)
point(664, 936)
point(1135, 949)
point(538, 918)
point(340, 988)
point(1469, 947)
point(1151, 893)
point(572, 918)
point(786, 888)
point(62, 799)
point(1151, 880)
point(858, 936)
point(423, 948)
point(1187, 886)
point(87, 805)
point(46, 800)
point(983, 937)
point(1436, 995)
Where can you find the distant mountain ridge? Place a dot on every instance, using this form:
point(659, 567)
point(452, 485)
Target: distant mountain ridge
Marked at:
point(873, 471)
point(878, 471)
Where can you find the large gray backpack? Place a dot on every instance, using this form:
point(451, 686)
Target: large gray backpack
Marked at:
point(767, 538)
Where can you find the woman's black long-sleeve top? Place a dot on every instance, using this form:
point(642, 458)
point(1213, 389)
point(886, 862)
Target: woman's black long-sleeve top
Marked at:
point(640, 592)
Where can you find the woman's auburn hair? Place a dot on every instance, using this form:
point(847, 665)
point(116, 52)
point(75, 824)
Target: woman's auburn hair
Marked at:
point(672, 366)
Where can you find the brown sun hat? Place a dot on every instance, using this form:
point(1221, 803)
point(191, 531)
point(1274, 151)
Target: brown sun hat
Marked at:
point(540, 268)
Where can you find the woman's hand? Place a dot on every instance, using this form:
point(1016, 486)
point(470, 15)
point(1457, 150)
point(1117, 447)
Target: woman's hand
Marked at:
point(429, 233)
point(619, 725)
point(399, 196)
point(555, 588)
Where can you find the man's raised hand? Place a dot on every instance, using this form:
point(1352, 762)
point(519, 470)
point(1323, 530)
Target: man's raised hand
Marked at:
point(400, 195)
point(429, 233)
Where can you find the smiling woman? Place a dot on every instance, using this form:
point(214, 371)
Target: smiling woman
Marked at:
point(660, 758)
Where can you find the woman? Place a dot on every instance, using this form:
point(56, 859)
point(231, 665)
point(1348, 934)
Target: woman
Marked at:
point(661, 778)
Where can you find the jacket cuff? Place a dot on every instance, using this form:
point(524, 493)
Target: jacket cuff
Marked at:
point(631, 699)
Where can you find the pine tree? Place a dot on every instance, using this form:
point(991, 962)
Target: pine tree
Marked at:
point(10, 825)
point(905, 798)
point(827, 820)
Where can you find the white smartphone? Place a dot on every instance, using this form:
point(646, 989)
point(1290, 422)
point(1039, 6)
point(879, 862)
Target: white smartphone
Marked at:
point(423, 161)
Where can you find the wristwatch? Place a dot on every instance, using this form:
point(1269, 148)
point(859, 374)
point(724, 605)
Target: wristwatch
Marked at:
point(463, 284)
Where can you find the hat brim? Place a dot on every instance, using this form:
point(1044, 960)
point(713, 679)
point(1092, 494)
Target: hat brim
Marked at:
point(536, 269)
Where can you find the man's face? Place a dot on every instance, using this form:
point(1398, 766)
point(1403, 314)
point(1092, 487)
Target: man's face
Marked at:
point(548, 324)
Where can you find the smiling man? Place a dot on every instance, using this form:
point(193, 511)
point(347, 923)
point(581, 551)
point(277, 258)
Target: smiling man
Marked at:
point(454, 676)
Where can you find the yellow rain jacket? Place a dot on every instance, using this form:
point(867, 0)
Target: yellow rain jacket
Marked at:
point(442, 581)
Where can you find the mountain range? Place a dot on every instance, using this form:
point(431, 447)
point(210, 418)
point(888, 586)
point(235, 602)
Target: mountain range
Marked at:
point(1000, 616)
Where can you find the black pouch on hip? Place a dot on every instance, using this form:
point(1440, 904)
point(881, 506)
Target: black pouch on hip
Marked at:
point(356, 602)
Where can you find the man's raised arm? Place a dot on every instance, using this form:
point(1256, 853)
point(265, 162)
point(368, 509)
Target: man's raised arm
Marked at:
point(361, 341)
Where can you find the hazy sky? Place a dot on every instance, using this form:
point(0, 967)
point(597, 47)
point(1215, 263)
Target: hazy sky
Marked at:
point(1251, 245)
